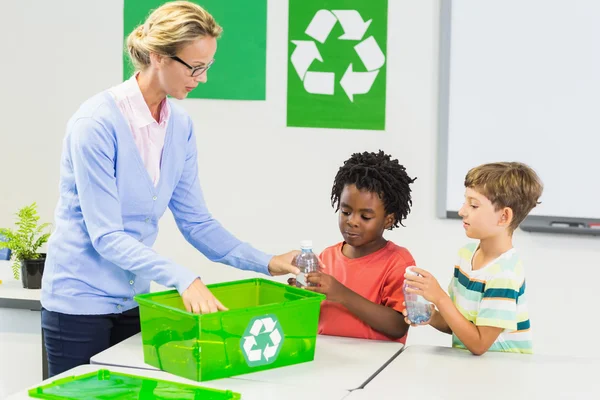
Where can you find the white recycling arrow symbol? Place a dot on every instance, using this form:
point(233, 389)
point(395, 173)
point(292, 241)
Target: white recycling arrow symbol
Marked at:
point(267, 325)
point(305, 53)
point(352, 23)
point(249, 343)
point(369, 52)
point(357, 82)
point(270, 351)
point(321, 25)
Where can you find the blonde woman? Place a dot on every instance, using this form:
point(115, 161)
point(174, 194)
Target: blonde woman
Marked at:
point(129, 153)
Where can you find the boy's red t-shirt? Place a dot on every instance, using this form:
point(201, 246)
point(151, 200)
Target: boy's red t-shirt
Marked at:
point(377, 277)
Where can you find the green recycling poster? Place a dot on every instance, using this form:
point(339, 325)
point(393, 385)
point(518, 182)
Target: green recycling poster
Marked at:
point(337, 64)
point(239, 71)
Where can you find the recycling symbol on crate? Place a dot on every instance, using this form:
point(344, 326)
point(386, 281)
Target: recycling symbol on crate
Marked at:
point(262, 340)
point(353, 81)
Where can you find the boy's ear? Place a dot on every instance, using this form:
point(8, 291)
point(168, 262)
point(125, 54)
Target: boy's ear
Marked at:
point(389, 221)
point(506, 216)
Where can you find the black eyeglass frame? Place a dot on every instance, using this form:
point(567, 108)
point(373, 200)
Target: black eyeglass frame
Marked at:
point(196, 71)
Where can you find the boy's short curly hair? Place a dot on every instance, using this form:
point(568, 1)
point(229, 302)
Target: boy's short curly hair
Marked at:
point(377, 173)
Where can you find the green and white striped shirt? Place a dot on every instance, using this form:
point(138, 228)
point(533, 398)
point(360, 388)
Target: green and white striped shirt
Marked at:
point(493, 296)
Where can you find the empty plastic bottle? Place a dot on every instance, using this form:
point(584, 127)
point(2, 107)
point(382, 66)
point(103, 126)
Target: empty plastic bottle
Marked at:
point(419, 309)
point(306, 261)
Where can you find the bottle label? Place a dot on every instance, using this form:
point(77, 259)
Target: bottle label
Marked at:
point(301, 279)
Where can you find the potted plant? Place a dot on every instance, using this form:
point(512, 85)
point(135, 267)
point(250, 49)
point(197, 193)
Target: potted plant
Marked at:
point(24, 243)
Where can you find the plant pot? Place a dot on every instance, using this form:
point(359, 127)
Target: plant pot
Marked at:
point(32, 271)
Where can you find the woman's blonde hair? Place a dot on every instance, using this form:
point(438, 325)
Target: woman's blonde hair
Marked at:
point(168, 29)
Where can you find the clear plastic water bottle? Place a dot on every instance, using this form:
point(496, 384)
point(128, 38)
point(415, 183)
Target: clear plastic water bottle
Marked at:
point(419, 309)
point(307, 262)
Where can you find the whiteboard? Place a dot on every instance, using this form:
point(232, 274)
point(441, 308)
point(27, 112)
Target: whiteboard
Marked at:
point(520, 81)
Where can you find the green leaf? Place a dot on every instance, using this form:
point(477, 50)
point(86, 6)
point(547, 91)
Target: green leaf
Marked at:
point(16, 269)
point(25, 241)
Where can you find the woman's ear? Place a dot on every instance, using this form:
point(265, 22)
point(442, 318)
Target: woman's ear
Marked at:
point(156, 59)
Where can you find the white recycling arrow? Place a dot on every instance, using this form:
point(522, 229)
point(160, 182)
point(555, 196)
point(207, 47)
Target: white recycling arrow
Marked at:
point(269, 324)
point(256, 327)
point(253, 355)
point(275, 337)
point(352, 23)
point(370, 54)
point(271, 350)
point(321, 25)
point(319, 82)
point(357, 82)
point(304, 54)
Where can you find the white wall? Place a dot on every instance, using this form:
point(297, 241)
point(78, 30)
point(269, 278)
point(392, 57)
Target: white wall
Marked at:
point(250, 163)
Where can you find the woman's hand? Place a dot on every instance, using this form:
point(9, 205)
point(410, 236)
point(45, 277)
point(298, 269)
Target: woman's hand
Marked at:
point(199, 300)
point(282, 264)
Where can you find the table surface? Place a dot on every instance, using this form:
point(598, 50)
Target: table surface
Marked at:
point(250, 390)
point(340, 363)
point(12, 293)
point(430, 372)
point(13, 289)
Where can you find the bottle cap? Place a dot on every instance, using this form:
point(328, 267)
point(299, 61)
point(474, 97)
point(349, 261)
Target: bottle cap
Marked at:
point(306, 244)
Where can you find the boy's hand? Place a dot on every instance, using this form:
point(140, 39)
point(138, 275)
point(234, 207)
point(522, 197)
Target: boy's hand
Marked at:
point(327, 285)
point(292, 282)
point(409, 322)
point(425, 285)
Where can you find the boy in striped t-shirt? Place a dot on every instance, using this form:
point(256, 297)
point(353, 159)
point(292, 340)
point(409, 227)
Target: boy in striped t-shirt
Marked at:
point(485, 309)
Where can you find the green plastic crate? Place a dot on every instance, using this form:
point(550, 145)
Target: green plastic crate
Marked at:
point(268, 325)
point(107, 385)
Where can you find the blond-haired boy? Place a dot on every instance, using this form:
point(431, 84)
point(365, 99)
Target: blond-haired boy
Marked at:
point(485, 308)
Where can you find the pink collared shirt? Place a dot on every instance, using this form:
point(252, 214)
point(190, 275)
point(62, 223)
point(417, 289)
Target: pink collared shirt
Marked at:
point(149, 135)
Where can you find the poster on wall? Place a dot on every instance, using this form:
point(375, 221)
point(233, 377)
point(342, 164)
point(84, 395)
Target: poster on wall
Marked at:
point(239, 69)
point(337, 64)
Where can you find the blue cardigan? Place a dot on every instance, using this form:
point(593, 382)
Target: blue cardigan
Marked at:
point(99, 255)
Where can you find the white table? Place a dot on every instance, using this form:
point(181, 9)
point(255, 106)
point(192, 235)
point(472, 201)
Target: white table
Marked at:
point(12, 293)
point(340, 363)
point(428, 372)
point(249, 390)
